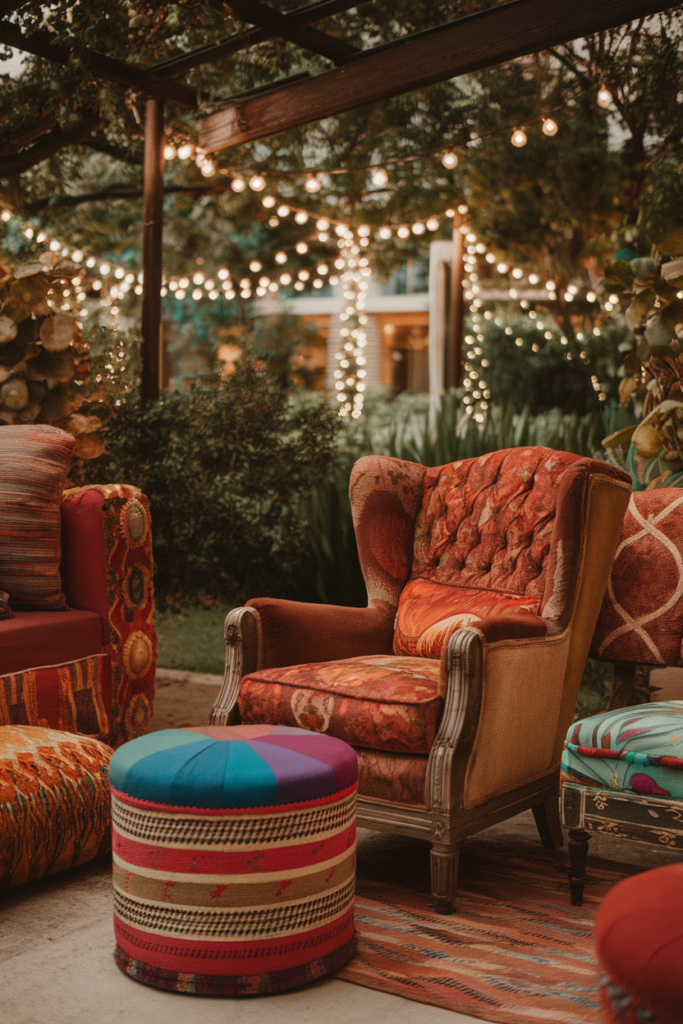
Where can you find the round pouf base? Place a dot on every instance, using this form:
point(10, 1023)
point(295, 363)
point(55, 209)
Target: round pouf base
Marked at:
point(234, 858)
point(237, 985)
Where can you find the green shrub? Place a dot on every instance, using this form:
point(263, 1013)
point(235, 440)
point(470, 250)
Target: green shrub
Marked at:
point(224, 465)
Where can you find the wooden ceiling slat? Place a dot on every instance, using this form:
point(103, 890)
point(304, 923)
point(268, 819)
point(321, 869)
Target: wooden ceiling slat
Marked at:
point(483, 40)
point(257, 13)
point(99, 64)
point(244, 40)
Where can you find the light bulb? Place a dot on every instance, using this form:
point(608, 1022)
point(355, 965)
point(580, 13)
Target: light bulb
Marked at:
point(282, 211)
point(364, 231)
point(301, 248)
point(170, 152)
point(6, 215)
point(237, 185)
point(549, 127)
point(533, 278)
point(255, 266)
point(257, 183)
point(432, 224)
point(518, 138)
point(379, 176)
point(385, 233)
point(197, 294)
point(185, 151)
point(301, 217)
point(418, 228)
point(322, 224)
point(269, 201)
point(591, 296)
point(449, 160)
point(462, 209)
point(280, 257)
point(403, 232)
point(550, 286)
point(285, 278)
point(502, 268)
point(208, 168)
point(604, 97)
point(313, 184)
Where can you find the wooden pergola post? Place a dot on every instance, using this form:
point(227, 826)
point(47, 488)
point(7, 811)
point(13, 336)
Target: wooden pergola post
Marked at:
point(153, 199)
point(456, 312)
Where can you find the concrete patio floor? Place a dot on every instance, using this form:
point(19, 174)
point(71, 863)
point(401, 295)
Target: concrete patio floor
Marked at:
point(56, 936)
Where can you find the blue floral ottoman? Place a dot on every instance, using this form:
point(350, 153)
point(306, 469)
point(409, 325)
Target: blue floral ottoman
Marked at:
point(622, 775)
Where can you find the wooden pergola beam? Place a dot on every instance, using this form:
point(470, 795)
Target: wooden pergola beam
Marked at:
point(469, 44)
point(244, 40)
point(98, 64)
point(281, 25)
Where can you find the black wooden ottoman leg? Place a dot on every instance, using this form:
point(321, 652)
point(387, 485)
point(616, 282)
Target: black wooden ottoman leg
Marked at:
point(578, 851)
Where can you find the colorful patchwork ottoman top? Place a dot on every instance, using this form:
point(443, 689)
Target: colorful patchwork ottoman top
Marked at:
point(234, 857)
point(636, 750)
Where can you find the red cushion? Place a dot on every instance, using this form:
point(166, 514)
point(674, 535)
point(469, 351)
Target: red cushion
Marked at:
point(84, 554)
point(429, 612)
point(639, 939)
point(379, 701)
point(34, 460)
point(34, 639)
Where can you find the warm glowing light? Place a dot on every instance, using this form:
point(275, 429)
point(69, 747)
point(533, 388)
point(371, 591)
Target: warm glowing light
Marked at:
point(518, 138)
point(419, 228)
point(604, 97)
point(534, 278)
point(301, 248)
point(301, 217)
point(550, 286)
point(238, 185)
point(403, 232)
point(385, 233)
point(257, 183)
point(185, 151)
point(449, 160)
point(379, 176)
point(591, 296)
point(322, 224)
point(280, 257)
point(549, 127)
point(432, 224)
point(255, 266)
point(313, 184)
point(269, 202)
point(282, 211)
point(502, 268)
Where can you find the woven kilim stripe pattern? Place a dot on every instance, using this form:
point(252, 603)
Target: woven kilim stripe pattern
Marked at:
point(33, 465)
point(214, 898)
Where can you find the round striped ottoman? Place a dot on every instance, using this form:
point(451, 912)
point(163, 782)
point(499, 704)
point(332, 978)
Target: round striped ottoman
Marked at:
point(234, 857)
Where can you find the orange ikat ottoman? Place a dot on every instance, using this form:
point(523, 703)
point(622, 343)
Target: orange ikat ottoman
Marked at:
point(234, 858)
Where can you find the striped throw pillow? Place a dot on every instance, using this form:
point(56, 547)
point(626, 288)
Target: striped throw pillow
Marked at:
point(34, 460)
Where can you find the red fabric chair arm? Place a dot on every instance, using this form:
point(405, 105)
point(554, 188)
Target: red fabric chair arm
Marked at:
point(107, 567)
point(296, 633)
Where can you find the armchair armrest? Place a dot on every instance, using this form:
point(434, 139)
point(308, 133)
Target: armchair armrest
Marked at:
point(107, 568)
point(270, 633)
point(499, 727)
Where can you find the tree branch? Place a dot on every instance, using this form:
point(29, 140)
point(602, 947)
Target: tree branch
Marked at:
point(47, 146)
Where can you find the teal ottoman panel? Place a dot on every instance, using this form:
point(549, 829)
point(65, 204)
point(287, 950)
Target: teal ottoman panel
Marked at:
point(636, 750)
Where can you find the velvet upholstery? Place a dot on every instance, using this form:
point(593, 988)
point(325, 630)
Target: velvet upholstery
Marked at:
point(90, 668)
point(34, 639)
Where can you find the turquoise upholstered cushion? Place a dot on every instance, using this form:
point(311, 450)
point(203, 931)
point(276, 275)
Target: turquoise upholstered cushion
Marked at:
point(239, 766)
point(637, 750)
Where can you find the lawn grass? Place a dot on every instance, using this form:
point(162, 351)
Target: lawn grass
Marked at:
point(192, 639)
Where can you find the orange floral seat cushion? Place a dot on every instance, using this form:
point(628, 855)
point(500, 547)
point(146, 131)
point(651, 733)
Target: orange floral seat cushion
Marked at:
point(55, 807)
point(428, 612)
point(380, 701)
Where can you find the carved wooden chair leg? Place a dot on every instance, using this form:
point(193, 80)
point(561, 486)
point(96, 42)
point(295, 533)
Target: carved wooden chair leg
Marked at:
point(547, 817)
point(578, 851)
point(444, 869)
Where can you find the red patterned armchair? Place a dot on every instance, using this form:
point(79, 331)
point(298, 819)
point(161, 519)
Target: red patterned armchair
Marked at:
point(641, 619)
point(457, 683)
point(89, 669)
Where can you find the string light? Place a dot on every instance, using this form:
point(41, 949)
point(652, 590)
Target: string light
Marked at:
point(238, 184)
point(549, 127)
point(604, 97)
point(449, 160)
point(379, 176)
point(257, 183)
point(518, 138)
point(312, 184)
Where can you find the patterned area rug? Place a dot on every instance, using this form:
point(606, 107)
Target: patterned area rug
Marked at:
point(515, 951)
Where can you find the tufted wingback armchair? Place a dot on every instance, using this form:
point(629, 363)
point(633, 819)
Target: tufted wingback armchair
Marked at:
point(457, 683)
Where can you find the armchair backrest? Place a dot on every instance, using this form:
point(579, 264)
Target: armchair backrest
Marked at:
point(491, 539)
